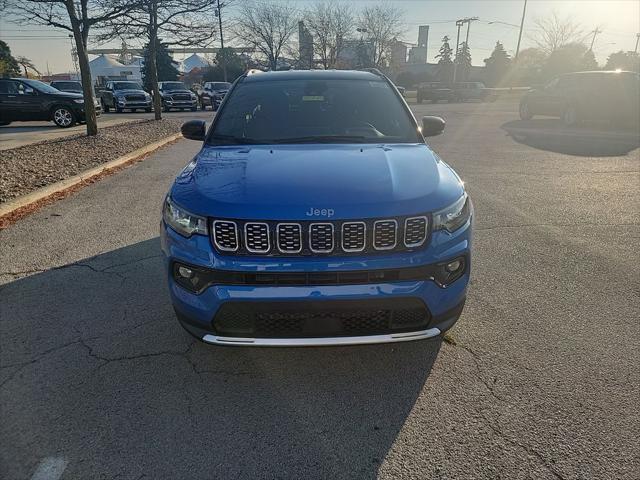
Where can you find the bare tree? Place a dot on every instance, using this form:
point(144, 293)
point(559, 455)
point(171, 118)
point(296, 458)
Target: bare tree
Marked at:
point(330, 24)
point(174, 22)
point(555, 32)
point(77, 17)
point(382, 25)
point(267, 27)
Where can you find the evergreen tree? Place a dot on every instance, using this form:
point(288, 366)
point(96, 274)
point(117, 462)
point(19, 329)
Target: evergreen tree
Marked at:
point(497, 65)
point(463, 59)
point(167, 70)
point(445, 62)
point(623, 61)
point(8, 65)
point(234, 64)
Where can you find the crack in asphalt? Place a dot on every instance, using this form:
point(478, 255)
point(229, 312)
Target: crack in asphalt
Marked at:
point(80, 264)
point(490, 388)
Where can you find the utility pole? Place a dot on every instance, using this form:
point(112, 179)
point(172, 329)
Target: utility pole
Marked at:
point(637, 41)
point(593, 40)
point(524, 12)
point(459, 24)
point(221, 57)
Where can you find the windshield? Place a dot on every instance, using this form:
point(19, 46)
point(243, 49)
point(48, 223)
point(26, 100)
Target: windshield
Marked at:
point(42, 87)
point(67, 85)
point(219, 86)
point(308, 111)
point(127, 86)
point(173, 86)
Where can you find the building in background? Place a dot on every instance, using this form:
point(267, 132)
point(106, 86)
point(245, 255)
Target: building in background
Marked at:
point(105, 67)
point(398, 58)
point(194, 61)
point(418, 54)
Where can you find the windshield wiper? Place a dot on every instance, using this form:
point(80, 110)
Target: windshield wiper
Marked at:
point(232, 139)
point(323, 139)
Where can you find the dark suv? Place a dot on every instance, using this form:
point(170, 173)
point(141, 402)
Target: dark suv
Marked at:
point(610, 96)
point(213, 93)
point(23, 100)
point(176, 96)
point(125, 95)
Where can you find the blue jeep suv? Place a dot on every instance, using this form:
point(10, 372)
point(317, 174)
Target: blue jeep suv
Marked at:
point(315, 214)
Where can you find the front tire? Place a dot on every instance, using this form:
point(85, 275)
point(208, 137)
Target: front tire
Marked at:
point(63, 117)
point(525, 112)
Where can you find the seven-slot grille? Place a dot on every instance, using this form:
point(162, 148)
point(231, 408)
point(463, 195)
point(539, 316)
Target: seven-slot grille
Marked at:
point(312, 238)
point(181, 96)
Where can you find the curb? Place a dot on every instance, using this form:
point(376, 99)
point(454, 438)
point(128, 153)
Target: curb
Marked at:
point(43, 193)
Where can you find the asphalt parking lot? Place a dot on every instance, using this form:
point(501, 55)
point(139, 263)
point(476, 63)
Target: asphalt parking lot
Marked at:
point(539, 379)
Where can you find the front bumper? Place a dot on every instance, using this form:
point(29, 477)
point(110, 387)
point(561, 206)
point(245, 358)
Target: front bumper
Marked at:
point(180, 103)
point(197, 312)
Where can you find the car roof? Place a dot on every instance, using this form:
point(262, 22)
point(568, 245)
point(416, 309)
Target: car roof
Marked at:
point(257, 76)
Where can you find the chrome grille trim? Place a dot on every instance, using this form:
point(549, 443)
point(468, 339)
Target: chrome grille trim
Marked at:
point(216, 242)
point(321, 250)
point(407, 232)
point(376, 235)
point(364, 237)
point(280, 249)
point(248, 242)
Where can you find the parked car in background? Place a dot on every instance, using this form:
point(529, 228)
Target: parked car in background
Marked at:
point(212, 94)
point(599, 96)
point(466, 91)
point(175, 95)
point(67, 86)
point(433, 92)
point(125, 95)
point(23, 99)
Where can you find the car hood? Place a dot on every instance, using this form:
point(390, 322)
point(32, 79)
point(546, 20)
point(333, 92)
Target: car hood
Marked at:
point(171, 92)
point(128, 92)
point(286, 182)
point(68, 94)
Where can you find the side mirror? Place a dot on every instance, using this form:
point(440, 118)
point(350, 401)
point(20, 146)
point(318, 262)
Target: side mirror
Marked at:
point(193, 130)
point(432, 126)
point(28, 91)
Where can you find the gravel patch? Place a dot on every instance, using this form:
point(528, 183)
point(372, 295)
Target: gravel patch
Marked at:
point(25, 169)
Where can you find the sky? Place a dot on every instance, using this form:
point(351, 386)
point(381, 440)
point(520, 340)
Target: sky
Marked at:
point(619, 21)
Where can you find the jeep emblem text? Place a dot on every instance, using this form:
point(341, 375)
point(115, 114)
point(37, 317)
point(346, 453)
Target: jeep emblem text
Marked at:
point(320, 212)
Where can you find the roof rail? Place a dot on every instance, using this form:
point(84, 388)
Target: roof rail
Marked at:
point(375, 71)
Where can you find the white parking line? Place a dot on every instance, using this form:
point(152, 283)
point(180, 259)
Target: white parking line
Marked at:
point(50, 468)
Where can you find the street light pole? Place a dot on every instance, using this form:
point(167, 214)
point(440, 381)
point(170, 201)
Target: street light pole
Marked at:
point(524, 12)
point(459, 24)
point(593, 40)
point(637, 41)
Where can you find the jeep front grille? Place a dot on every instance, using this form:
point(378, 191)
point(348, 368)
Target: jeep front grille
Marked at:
point(275, 238)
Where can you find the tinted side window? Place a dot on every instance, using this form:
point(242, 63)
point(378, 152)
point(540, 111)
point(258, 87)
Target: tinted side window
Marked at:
point(8, 87)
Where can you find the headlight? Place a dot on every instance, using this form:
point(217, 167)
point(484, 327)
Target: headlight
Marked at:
point(193, 96)
point(78, 100)
point(183, 222)
point(147, 96)
point(454, 216)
